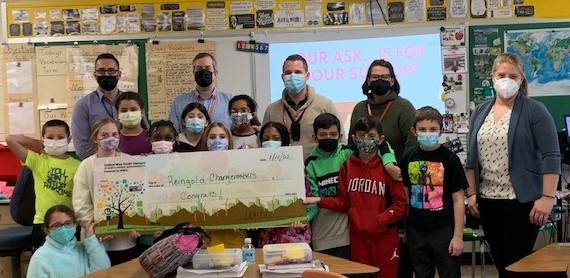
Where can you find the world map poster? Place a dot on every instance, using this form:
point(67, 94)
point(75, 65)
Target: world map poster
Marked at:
point(546, 57)
point(250, 188)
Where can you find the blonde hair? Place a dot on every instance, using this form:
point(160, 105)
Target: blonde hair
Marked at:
point(98, 125)
point(204, 141)
point(515, 61)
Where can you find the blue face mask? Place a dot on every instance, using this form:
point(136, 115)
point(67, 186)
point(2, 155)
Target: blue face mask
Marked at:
point(428, 140)
point(218, 144)
point(195, 125)
point(63, 235)
point(271, 144)
point(294, 82)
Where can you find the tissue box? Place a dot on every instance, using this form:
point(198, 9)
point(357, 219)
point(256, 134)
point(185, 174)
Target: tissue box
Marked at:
point(287, 253)
point(217, 260)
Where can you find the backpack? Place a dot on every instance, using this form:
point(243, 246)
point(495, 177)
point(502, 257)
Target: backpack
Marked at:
point(173, 248)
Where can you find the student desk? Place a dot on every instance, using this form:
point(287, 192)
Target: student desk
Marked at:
point(550, 261)
point(132, 269)
point(477, 236)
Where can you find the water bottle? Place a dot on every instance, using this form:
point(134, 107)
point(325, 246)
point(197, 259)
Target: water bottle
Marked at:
point(248, 251)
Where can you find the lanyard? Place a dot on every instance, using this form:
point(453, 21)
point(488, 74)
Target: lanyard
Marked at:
point(297, 118)
point(212, 102)
point(105, 106)
point(384, 112)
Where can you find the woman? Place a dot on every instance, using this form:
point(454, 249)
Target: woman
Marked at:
point(396, 113)
point(513, 164)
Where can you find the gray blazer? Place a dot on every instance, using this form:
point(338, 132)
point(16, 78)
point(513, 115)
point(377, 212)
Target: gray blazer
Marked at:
point(532, 142)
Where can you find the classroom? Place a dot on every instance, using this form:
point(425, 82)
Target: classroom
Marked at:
point(170, 63)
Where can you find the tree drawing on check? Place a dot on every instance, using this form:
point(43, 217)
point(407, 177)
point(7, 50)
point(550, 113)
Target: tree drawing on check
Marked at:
point(214, 190)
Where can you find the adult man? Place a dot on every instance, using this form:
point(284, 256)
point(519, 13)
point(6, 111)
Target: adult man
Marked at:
point(96, 105)
point(205, 71)
point(299, 104)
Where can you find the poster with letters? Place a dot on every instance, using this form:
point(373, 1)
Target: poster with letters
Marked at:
point(250, 188)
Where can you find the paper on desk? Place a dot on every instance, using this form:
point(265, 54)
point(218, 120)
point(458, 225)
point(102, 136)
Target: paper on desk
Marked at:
point(236, 271)
point(21, 118)
point(263, 269)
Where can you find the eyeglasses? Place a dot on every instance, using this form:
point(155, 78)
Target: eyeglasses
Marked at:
point(57, 226)
point(385, 77)
point(111, 72)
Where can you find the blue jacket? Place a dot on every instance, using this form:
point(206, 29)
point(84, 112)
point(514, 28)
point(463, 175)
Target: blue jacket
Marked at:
point(74, 259)
point(532, 142)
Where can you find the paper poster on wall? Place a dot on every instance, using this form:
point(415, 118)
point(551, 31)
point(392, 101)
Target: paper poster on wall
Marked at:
point(19, 77)
point(81, 66)
point(149, 193)
point(168, 76)
point(52, 112)
point(457, 9)
point(20, 118)
point(454, 59)
point(451, 36)
point(415, 10)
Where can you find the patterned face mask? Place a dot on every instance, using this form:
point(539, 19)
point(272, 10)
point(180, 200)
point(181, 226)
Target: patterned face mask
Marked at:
point(109, 144)
point(218, 144)
point(366, 145)
point(241, 119)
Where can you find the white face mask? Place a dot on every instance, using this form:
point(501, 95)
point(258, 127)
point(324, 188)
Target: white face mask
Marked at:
point(55, 147)
point(506, 87)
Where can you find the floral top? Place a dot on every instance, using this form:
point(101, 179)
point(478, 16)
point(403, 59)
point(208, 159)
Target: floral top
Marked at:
point(286, 234)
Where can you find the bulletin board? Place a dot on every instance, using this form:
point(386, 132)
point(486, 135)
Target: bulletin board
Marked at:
point(43, 82)
point(542, 47)
point(123, 17)
point(19, 92)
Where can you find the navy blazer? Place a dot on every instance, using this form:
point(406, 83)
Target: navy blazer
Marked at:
point(532, 142)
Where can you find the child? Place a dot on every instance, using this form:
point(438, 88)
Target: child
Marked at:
point(196, 118)
point(134, 137)
point(162, 137)
point(216, 137)
point(62, 255)
point(330, 228)
point(243, 113)
point(373, 200)
point(274, 134)
point(434, 182)
point(105, 136)
point(298, 232)
point(53, 169)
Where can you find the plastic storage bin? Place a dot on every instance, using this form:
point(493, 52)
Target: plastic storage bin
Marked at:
point(217, 260)
point(287, 253)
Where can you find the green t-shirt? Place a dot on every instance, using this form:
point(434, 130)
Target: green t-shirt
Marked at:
point(53, 181)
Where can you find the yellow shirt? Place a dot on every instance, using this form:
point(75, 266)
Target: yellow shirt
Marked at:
point(53, 181)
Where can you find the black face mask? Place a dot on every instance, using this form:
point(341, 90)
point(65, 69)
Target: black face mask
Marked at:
point(380, 87)
point(107, 83)
point(203, 78)
point(328, 145)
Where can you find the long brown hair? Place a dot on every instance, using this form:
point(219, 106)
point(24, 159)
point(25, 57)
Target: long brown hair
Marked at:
point(57, 208)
